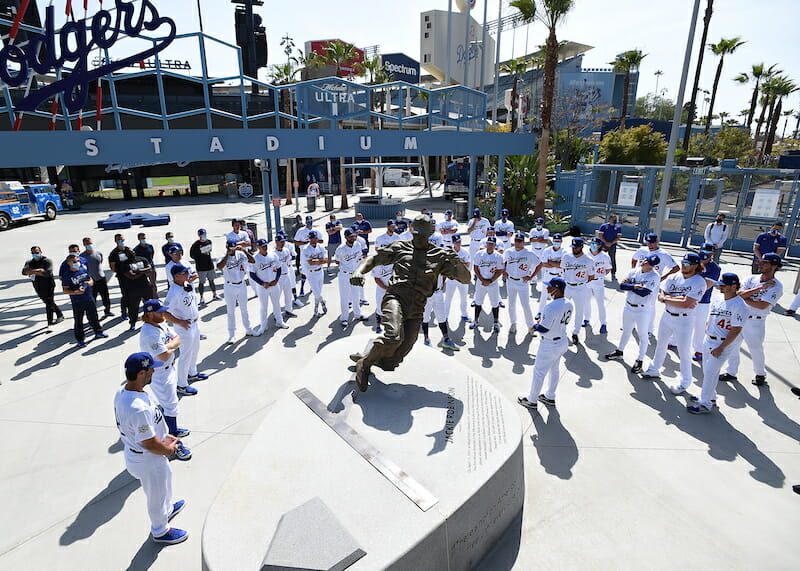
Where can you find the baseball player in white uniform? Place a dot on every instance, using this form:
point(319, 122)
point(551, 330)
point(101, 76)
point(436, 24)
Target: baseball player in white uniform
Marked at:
point(477, 231)
point(577, 271)
point(487, 266)
point(666, 268)
point(147, 445)
point(711, 272)
point(266, 272)
point(642, 283)
point(183, 313)
point(597, 287)
point(348, 256)
point(504, 230)
point(552, 327)
point(549, 267)
point(451, 287)
point(725, 322)
point(300, 240)
point(312, 257)
point(435, 306)
point(539, 239)
point(447, 228)
point(388, 237)
point(520, 266)
point(160, 340)
point(760, 293)
point(680, 294)
point(287, 281)
point(234, 265)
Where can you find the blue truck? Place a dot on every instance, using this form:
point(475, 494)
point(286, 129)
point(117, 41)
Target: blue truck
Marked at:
point(20, 201)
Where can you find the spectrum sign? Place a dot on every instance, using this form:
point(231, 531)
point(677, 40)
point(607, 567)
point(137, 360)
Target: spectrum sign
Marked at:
point(400, 67)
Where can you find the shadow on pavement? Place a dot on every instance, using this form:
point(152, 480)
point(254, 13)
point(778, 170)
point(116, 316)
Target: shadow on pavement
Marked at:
point(518, 353)
point(146, 556)
point(554, 444)
point(100, 509)
point(583, 366)
point(486, 348)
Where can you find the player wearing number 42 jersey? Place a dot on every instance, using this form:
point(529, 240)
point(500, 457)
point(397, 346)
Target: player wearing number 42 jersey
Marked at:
point(553, 329)
point(520, 264)
point(578, 271)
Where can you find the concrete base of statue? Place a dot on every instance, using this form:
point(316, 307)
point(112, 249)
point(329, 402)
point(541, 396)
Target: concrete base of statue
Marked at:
point(423, 471)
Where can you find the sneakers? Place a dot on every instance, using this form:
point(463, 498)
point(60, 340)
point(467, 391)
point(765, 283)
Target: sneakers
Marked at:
point(677, 390)
point(637, 368)
point(575, 340)
point(513, 328)
point(728, 378)
point(182, 432)
point(177, 507)
point(523, 401)
point(186, 391)
point(250, 333)
point(603, 329)
point(616, 354)
point(698, 357)
point(215, 297)
point(100, 335)
point(231, 339)
point(132, 327)
point(697, 399)
point(343, 324)
point(647, 375)
point(790, 312)
point(698, 409)
point(198, 377)
point(182, 453)
point(60, 318)
point(203, 337)
point(378, 329)
point(201, 303)
point(324, 307)
point(796, 391)
point(81, 344)
point(473, 325)
point(362, 319)
point(288, 313)
point(760, 380)
point(465, 318)
point(502, 304)
point(449, 344)
point(297, 303)
point(671, 347)
point(496, 326)
point(107, 313)
point(427, 342)
point(586, 323)
point(544, 400)
point(172, 537)
point(302, 293)
point(282, 326)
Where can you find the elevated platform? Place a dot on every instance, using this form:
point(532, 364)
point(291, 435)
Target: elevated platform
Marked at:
point(423, 471)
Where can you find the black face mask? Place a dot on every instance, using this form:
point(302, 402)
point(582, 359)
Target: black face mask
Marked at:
point(187, 287)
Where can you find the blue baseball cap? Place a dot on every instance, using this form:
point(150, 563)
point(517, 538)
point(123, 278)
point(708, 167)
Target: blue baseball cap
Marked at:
point(309, 218)
point(707, 246)
point(262, 243)
point(153, 306)
point(519, 236)
point(540, 220)
point(179, 269)
point(652, 259)
point(314, 234)
point(651, 238)
point(476, 212)
point(280, 237)
point(139, 362)
point(491, 240)
point(348, 232)
point(556, 282)
point(557, 236)
point(448, 212)
point(390, 223)
point(201, 231)
point(577, 242)
point(690, 259)
point(456, 238)
point(230, 244)
point(504, 212)
point(728, 279)
point(773, 259)
point(597, 242)
point(174, 249)
point(704, 255)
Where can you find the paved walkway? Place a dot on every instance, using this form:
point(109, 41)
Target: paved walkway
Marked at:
point(619, 476)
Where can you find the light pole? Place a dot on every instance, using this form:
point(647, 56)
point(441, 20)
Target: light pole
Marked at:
point(449, 41)
point(466, 43)
point(658, 73)
point(497, 63)
point(676, 124)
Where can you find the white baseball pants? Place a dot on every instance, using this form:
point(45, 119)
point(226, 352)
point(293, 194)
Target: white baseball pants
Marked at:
point(639, 318)
point(436, 306)
point(349, 295)
point(711, 368)
point(519, 290)
point(753, 334)
point(474, 247)
point(579, 295)
point(190, 348)
point(163, 385)
point(451, 287)
point(700, 317)
point(492, 290)
point(286, 283)
point(548, 360)
point(265, 297)
point(236, 294)
point(597, 292)
point(315, 281)
point(795, 303)
point(155, 476)
point(379, 293)
point(679, 330)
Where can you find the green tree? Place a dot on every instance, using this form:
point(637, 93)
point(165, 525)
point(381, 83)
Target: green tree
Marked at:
point(692, 106)
point(637, 146)
point(551, 13)
point(569, 148)
point(783, 88)
point(725, 46)
point(733, 143)
point(757, 74)
point(627, 63)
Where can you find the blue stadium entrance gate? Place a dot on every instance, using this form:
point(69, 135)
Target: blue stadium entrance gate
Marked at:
point(752, 200)
point(75, 118)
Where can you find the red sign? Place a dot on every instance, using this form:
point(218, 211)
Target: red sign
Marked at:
point(348, 68)
point(276, 202)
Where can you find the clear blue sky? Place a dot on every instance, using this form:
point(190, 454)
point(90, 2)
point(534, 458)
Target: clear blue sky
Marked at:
point(611, 26)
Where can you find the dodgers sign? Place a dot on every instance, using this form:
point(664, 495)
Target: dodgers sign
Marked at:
point(400, 67)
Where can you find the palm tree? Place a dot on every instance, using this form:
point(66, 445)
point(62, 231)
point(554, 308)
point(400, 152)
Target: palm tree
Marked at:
point(338, 53)
point(757, 74)
point(743, 114)
point(551, 14)
point(788, 113)
point(692, 107)
point(515, 68)
point(797, 126)
point(722, 48)
point(627, 62)
point(284, 74)
point(722, 116)
point(784, 88)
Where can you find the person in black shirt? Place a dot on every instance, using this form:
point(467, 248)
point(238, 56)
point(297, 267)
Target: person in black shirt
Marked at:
point(200, 252)
point(118, 260)
point(77, 284)
point(40, 269)
point(137, 272)
point(144, 249)
point(170, 237)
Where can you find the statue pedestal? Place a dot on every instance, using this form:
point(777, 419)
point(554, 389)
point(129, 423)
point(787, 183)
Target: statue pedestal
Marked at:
point(423, 471)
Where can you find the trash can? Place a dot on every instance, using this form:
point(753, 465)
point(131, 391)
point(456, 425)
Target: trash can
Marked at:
point(253, 227)
point(328, 202)
point(460, 209)
point(311, 203)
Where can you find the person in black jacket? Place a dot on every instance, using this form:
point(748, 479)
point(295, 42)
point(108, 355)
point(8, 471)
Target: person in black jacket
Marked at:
point(40, 269)
point(200, 252)
point(138, 275)
point(118, 260)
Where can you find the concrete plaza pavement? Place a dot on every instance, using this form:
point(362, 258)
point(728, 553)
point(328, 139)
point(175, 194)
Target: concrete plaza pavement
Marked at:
point(619, 476)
